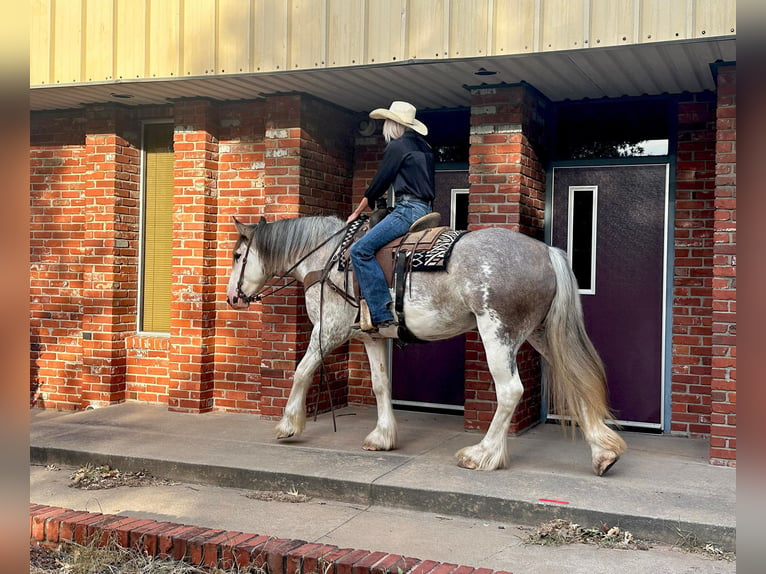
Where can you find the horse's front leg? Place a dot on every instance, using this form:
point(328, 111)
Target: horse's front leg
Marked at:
point(383, 437)
point(293, 419)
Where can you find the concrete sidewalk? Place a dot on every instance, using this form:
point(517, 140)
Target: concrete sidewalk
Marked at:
point(662, 488)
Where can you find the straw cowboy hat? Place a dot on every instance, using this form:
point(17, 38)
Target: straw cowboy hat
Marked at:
point(402, 113)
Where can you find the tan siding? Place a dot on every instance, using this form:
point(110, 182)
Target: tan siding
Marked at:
point(468, 28)
point(164, 38)
point(270, 36)
point(611, 22)
point(385, 20)
point(67, 42)
point(130, 40)
point(199, 37)
point(562, 22)
point(714, 17)
point(426, 32)
point(662, 20)
point(346, 28)
point(514, 26)
point(40, 42)
point(307, 28)
point(233, 36)
point(99, 39)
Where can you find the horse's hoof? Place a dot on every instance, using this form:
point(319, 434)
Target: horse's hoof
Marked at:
point(604, 465)
point(371, 447)
point(281, 436)
point(464, 462)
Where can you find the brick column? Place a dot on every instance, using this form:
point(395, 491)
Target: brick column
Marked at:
point(109, 254)
point(307, 171)
point(192, 315)
point(723, 442)
point(507, 189)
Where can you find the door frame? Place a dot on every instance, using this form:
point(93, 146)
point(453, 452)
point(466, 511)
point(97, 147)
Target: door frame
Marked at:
point(668, 264)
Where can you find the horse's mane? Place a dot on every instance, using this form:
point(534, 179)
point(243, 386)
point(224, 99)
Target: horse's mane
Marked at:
point(282, 243)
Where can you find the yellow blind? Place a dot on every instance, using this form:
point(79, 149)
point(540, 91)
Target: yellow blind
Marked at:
point(158, 227)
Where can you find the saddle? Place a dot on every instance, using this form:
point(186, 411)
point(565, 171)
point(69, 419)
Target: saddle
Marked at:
point(425, 247)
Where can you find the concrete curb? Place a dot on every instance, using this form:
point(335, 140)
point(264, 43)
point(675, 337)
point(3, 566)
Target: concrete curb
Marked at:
point(463, 504)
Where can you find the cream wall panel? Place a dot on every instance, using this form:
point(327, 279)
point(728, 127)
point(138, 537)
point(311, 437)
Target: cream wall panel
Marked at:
point(385, 22)
point(130, 40)
point(270, 35)
point(468, 28)
point(234, 36)
point(99, 40)
point(306, 47)
point(40, 42)
point(612, 22)
point(427, 29)
point(346, 29)
point(714, 18)
point(662, 20)
point(562, 22)
point(514, 26)
point(164, 38)
point(67, 41)
point(198, 35)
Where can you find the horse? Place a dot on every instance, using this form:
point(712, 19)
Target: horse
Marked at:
point(511, 287)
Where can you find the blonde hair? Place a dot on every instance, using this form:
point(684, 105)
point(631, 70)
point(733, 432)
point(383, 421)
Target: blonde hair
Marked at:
point(392, 130)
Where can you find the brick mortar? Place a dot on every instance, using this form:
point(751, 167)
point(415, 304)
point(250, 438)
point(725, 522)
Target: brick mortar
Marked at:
point(52, 525)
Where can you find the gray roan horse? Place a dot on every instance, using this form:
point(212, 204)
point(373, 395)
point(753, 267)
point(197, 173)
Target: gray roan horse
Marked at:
point(511, 287)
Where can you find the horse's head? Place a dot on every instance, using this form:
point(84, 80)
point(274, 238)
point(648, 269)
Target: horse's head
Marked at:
point(247, 272)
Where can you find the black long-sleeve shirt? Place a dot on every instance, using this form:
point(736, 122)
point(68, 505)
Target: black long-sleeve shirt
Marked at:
point(408, 163)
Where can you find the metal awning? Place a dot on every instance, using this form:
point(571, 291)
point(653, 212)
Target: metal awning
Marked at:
point(635, 70)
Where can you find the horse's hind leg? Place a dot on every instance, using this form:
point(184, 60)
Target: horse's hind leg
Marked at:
point(383, 436)
point(492, 452)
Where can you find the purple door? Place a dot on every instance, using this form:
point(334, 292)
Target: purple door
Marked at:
point(432, 375)
point(611, 220)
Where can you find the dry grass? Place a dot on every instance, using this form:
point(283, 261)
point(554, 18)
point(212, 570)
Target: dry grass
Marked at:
point(91, 477)
point(73, 558)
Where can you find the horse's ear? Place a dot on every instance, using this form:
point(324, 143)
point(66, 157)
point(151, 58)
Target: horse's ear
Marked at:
point(241, 228)
point(263, 220)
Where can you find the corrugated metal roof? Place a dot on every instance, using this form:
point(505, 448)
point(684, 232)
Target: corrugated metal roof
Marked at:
point(565, 75)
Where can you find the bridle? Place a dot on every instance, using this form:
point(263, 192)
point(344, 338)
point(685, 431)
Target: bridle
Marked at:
point(242, 296)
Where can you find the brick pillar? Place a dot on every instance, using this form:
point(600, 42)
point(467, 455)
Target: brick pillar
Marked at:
point(693, 266)
point(723, 442)
point(307, 171)
point(507, 189)
point(192, 315)
point(109, 254)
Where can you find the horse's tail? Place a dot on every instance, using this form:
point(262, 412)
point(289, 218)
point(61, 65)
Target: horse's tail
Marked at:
point(575, 372)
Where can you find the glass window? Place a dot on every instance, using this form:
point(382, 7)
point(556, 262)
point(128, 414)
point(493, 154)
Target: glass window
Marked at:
point(618, 129)
point(582, 235)
point(157, 228)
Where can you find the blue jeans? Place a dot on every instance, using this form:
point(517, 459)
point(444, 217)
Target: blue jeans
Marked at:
point(372, 281)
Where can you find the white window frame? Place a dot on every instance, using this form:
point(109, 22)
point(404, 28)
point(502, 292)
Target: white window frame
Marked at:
point(594, 228)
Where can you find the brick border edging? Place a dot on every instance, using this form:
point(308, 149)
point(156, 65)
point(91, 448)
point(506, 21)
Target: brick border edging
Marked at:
point(51, 525)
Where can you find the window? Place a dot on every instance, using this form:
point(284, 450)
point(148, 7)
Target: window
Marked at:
point(581, 243)
point(612, 129)
point(156, 228)
point(459, 209)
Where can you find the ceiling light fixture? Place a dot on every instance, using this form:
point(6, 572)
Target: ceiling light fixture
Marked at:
point(484, 72)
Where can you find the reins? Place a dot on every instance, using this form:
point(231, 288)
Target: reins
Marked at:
point(263, 291)
point(354, 225)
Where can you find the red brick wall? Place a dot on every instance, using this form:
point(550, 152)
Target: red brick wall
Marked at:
point(57, 201)
point(723, 441)
point(507, 180)
point(692, 276)
point(241, 194)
